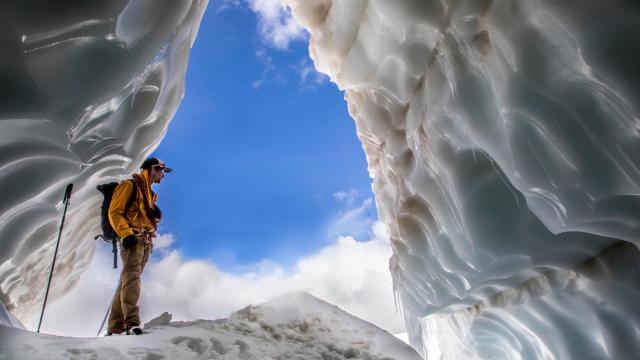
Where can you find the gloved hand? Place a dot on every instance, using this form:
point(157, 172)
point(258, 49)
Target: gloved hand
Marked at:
point(129, 241)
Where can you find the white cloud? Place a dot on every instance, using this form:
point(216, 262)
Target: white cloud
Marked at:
point(276, 26)
point(309, 76)
point(277, 29)
point(348, 273)
point(162, 242)
point(351, 274)
point(353, 221)
point(347, 196)
point(353, 214)
point(228, 4)
point(266, 70)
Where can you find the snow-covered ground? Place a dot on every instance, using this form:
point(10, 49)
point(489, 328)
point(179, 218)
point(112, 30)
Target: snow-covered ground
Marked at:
point(293, 326)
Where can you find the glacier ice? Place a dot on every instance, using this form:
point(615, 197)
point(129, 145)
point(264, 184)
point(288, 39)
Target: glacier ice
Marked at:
point(503, 140)
point(86, 92)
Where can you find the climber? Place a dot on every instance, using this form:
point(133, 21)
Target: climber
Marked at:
point(136, 230)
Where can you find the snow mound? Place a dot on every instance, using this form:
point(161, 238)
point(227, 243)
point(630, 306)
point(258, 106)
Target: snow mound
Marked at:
point(293, 326)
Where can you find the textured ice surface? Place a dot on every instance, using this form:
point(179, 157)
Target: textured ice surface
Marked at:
point(503, 139)
point(7, 319)
point(86, 92)
point(293, 327)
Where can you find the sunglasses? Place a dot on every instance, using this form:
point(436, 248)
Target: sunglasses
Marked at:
point(161, 168)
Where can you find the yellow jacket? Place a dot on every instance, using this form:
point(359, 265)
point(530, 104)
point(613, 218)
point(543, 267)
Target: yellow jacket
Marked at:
point(137, 218)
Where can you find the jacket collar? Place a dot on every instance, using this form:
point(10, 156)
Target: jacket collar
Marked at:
point(144, 180)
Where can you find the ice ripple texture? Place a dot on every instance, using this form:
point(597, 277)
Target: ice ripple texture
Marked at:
point(86, 92)
point(503, 140)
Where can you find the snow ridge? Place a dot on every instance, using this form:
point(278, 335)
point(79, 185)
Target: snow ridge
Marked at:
point(295, 326)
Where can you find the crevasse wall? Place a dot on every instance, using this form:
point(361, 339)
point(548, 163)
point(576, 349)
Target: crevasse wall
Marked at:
point(503, 138)
point(86, 92)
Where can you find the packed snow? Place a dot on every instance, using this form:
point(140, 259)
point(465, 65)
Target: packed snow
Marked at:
point(503, 139)
point(294, 326)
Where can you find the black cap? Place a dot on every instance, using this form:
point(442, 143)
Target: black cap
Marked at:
point(151, 162)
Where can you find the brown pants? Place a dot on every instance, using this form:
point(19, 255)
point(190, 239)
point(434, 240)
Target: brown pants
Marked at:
point(124, 308)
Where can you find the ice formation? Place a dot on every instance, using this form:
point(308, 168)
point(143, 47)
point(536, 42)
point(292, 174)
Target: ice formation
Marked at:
point(86, 92)
point(503, 140)
point(293, 327)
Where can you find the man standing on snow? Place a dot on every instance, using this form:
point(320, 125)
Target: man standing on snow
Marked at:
point(134, 216)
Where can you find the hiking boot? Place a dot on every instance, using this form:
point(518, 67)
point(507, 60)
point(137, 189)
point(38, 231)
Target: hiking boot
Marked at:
point(116, 333)
point(135, 330)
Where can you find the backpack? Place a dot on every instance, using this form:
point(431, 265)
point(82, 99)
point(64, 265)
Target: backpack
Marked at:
point(108, 233)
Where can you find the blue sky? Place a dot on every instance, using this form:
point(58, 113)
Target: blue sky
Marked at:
point(266, 158)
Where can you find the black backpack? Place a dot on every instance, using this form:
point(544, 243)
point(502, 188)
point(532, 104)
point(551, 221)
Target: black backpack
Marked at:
point(108, 233)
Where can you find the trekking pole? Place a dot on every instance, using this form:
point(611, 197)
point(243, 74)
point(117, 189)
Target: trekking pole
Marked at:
point(108, 310)
point(67, 196)
point(104, 320)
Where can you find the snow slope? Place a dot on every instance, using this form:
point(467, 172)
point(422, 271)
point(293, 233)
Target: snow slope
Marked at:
point(294, 326)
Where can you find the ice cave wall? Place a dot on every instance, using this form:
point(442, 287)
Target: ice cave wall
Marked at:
point(86, 92)
point(503, 140)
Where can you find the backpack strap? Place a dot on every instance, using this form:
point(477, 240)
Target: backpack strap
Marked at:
point(132, 196)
